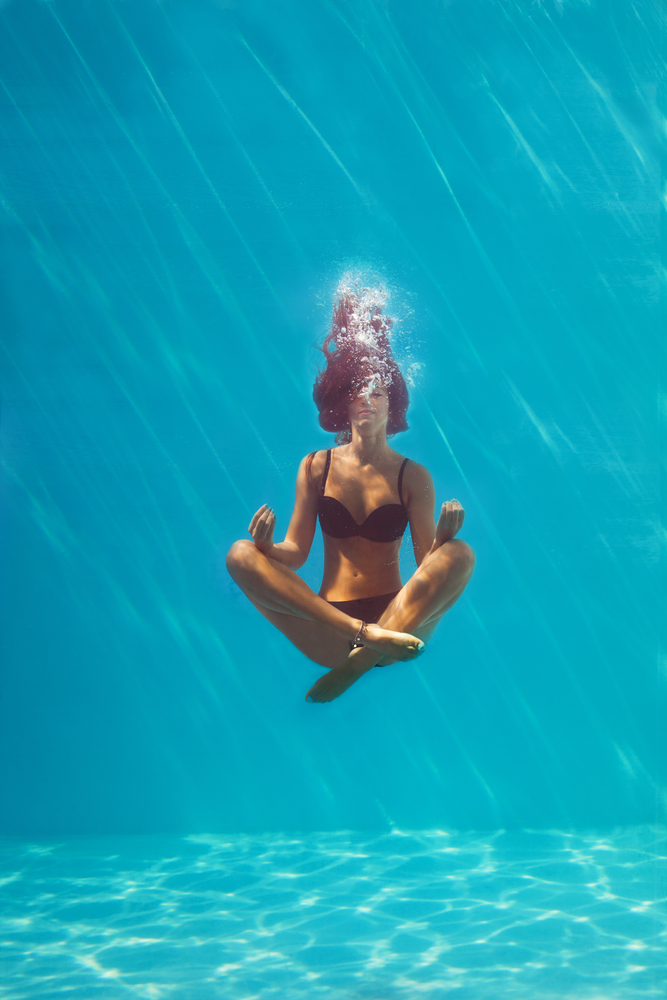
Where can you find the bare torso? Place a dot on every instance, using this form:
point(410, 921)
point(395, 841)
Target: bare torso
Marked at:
point(357, 567)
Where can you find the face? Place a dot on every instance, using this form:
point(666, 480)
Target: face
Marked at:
point(369, 410)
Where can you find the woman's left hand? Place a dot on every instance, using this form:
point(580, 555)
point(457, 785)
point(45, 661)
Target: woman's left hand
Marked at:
point(449, 523)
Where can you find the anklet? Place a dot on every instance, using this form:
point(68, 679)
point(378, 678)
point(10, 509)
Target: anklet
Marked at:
point(357, 641)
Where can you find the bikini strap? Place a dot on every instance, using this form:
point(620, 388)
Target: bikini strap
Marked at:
point(326, 471)
point(400, 481)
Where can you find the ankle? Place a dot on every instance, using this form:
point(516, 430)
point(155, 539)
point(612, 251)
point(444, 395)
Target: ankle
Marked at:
point(360, 635)
point(362, 659)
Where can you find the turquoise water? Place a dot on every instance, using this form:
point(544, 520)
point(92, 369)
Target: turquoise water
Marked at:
point(184, 187)
point(534, 914)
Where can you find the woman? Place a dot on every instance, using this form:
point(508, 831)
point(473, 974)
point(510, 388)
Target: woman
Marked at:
point(365, 494)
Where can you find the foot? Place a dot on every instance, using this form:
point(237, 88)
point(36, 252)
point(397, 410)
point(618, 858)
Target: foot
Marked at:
point(333, 684)
point(392, 645)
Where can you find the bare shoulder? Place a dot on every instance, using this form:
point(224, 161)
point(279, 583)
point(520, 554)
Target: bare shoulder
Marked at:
point(311, 468)
point(417, 480)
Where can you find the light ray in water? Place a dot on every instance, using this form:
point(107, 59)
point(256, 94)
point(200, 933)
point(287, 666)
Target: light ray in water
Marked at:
point(208, 265)
point(484, 256)
point(525, 145)
point(610, 106)
point(305, 117)
point(412, 70)
point(265, 448)
point(599, 163)
point(165, 107)
point(488, 791)
point(535, 421)
point(447, 444)
point(486, 260)
point(537, 610)
point(179, 39)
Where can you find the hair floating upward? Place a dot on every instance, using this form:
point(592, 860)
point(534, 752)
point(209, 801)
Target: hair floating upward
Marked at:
point(358, 355)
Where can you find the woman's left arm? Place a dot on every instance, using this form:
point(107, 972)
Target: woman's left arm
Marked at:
point(426, 535)
point(420, 502)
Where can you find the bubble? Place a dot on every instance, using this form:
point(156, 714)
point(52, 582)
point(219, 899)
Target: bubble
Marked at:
point(414, 374)
point(367, 324)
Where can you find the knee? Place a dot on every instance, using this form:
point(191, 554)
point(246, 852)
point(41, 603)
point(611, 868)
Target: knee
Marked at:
point(461, 555)
point(240, 558)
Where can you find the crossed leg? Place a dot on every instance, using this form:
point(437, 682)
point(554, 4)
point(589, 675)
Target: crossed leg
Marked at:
point(417, 608)
point(322, 632)
point(315, 627)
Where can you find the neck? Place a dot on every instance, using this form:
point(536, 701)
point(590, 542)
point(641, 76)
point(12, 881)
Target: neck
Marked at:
point(369, 448)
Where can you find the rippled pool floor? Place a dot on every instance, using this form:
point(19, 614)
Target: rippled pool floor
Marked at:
point(337, 915)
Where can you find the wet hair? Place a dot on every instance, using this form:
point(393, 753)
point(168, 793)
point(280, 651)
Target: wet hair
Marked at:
point(358, 355)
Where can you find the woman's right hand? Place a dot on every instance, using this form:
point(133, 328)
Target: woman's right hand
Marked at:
point(261, 528)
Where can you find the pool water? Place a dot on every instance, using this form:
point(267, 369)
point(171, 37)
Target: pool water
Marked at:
point(537, 914)
point(185, 185)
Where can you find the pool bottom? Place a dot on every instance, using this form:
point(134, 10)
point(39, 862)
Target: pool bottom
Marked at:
point(337, 916)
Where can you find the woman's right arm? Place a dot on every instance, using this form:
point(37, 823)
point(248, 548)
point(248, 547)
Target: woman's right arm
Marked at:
point(293, 552)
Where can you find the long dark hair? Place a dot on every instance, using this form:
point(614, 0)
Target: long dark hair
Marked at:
point(357, 354)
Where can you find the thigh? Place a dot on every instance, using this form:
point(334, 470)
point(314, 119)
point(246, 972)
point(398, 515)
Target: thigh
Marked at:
point(400, 611)
point(412, 603)
point(318, 642)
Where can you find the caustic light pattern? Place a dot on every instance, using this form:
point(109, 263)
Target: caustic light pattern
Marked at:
point(338, 915)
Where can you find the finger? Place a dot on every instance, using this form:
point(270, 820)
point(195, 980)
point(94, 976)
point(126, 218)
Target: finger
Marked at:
point(256, 517)
point(267, 521)
point(259, 529)
point(263, 521)
point(255, 524)
point(269, 524)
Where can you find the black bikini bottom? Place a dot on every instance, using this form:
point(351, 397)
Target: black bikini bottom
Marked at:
point(369, 609)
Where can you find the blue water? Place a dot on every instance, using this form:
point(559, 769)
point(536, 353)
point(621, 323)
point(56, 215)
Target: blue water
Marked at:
point(184, 185)
point(535, 914)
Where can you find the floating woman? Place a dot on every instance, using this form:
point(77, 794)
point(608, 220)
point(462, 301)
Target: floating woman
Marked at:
point(365, 495)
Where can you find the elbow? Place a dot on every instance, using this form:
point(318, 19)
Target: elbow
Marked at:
point(300, 558)
point(293, 554)
point(288, 556)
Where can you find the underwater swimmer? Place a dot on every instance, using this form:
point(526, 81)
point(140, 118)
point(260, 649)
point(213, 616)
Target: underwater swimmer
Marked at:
point(365, 495)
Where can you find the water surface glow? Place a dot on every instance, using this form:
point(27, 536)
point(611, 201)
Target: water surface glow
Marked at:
point(338, 915)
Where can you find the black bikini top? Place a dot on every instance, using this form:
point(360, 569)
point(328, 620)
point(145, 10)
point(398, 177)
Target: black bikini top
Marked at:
point(384, 524)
